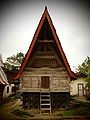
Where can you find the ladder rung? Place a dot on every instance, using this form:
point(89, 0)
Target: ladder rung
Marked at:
point(45, 95)
point(45, 103)
point(45, 99)
point(45, 108)
point(45, 92)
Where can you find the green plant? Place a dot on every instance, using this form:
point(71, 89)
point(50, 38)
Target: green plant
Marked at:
point(21, 113)
point(83, 108)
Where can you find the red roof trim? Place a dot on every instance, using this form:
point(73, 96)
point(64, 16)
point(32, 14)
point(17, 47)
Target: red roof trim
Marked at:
point(45, 14)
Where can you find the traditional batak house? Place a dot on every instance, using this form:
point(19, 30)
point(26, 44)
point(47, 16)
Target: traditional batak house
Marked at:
point(7, 87)
point(3, 80)
point(45, 73)
point(3, 83)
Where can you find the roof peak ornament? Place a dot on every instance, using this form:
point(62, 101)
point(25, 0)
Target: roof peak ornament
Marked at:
point(45, 7)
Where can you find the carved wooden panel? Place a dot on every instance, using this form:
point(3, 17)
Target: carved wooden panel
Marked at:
point(35, 81)
point(45, 63)
point(44, 58)
point(63, 83)
point(26, 82)
point(55, 81)
point(45, 54)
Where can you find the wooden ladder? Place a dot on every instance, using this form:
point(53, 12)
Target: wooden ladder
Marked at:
point(45, 102)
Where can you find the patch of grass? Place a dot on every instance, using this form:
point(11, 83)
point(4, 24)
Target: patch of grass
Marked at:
point(21, 113)
point(78, 111)
point(58, 113)
point(70, 112)
point(83, 111)
point(75, 108)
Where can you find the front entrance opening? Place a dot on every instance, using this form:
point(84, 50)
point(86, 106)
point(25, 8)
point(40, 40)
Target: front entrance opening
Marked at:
point(45, 83)
point(80, 90)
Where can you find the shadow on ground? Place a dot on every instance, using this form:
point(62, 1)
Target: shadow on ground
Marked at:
point(12, 109)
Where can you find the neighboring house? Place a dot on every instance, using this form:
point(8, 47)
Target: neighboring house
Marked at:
point(3, 83)
point(1, 62)
point(6, 86)
point(79, 87)
point(45, 73)
point(9, 89)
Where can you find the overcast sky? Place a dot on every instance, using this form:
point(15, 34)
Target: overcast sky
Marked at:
point(71, 18)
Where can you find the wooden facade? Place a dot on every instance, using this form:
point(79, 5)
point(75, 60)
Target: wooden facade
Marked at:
point(35, 79)
point(45, 73)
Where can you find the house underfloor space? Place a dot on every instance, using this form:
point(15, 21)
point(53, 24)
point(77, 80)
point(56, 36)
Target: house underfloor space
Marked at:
point(46, 100)
point(60, 99)
point(31, 100)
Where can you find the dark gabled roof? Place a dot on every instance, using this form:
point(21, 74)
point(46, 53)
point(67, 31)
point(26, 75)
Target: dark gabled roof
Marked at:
point(46, 15)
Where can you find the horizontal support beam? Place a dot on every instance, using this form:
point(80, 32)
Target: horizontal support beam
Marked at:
point(39, 90)
point(44, 57)
point(45, 41)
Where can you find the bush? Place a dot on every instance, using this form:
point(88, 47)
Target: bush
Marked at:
point(21, 113)
point(88, 97)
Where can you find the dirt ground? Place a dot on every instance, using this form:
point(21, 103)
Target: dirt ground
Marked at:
point(11, 104)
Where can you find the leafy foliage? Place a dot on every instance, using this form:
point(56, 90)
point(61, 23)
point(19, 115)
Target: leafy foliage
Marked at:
point(83, 108)
point(85, 66)
point(88, 79)
point(13, 63)
point(21, 113)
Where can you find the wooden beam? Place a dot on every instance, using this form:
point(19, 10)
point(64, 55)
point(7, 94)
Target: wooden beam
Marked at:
point(45, 57)
point(45, 41)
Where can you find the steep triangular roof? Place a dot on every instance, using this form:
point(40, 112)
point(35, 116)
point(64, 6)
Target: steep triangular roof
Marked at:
point(45, 15)
point(3, 78)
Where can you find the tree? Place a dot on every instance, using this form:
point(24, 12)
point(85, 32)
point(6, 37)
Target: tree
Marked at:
point(14, 62)
point(85, 66)
point(88, 80)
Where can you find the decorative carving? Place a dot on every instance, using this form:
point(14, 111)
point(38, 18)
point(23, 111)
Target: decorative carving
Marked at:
point(35, 82)
point(63, 84)
point(55, 82)
point(26, 82)
point(45, 63)
point(45, 56)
